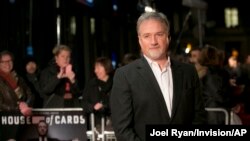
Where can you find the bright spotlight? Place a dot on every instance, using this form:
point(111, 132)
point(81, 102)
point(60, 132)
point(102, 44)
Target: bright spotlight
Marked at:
point(149, 9)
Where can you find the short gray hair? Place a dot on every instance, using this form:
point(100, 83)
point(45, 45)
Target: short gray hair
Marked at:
point(153, 15)
point(58, 48)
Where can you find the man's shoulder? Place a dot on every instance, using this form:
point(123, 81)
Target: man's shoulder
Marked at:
point(183, 65)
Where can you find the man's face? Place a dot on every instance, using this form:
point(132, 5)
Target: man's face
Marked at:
point(153, 39)
point(6, 63)
point(63, 58)
point(42, 129)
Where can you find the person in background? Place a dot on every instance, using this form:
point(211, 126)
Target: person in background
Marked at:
point(128, 58)
point(42, 130)
point(245, 79)
point(154, 89)
point(32, 75)
point(234, 69)
point(215, 84)
point(97, 91)
point(58, 81)
point(244, 106)
point(15, 95)
point(235, 72)
point(195, 55)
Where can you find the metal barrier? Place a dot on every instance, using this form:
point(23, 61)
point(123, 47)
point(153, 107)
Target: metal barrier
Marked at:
point(223, 110)
point(104, 135)
point(91, 133)
point(107, 135)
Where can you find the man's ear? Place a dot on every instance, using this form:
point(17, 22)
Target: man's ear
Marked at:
point(139, 41)
point(169, 38)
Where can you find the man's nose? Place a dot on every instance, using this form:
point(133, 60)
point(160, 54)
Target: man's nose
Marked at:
point(153, 40)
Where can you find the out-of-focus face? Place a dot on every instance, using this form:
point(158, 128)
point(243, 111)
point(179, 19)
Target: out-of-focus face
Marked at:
point(31, 67)
point(63, 58)
point(195, 55)
point(248, 59)
point(6, 63)
point(100, 71)
point(42, 129)
point(232, 62)
point(153, 39)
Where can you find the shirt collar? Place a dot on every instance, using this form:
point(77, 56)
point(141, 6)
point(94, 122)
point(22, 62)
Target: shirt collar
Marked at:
point(151, 62)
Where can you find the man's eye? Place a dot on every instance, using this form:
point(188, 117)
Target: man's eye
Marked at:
point(160, 34)
point(146, 36)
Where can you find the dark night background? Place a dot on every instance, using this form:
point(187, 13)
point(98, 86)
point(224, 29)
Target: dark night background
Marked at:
point(33, 23)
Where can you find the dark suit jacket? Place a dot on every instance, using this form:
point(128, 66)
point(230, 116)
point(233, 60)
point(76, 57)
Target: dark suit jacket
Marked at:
point(136, 99)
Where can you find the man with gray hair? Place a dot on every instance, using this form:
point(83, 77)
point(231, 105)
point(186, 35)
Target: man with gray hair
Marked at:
point(154, 89)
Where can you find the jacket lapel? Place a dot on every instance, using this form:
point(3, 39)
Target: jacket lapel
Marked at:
point(177, 85)
point(148, 75)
